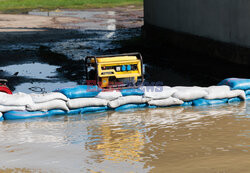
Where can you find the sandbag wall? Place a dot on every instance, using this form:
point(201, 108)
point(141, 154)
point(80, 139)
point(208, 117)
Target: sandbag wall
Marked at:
point(82, 99)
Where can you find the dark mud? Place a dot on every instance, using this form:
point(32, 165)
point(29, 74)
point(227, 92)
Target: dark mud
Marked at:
point(54, 58)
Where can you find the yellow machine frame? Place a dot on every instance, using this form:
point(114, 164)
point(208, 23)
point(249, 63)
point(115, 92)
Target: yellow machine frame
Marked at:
point(126, 66)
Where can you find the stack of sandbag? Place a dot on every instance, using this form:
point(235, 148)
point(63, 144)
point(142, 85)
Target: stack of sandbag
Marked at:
point(160, 96)
point(238, 84)
point(14, 102)
point(219, 95)
point(35, 105)
point(48, 101)
point(85, 98)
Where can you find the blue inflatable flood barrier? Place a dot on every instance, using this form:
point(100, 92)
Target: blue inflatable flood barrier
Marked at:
point(235, 99)
point(130, 106)
point(236, 83)
point(247, 92)
point(13, 115)
point(81, 91)
point(132, 91)
point(189, 103)
point(205, 102)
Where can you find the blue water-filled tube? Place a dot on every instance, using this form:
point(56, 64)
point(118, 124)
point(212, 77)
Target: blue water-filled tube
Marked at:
point(205, 102)
point(87, 110)
point(132, 91)
point(81, 91)
point(235, 99)
point(1, 118)
point(77, 111)
point(247, 92)
point(248, 97)
point(189, 103)
point(13, 115)
point(130, 106)
point(236, 83)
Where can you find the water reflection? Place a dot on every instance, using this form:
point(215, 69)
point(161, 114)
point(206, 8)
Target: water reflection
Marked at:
point(142, 140)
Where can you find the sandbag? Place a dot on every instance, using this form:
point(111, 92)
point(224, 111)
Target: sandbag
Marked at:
point(248, 97)
point(189, 103)
point(45, 106)
point(17, 99)
point(86, 102)
point(236, 99)
point(166, 102)
point(11, 108)
point(130, 106)
point(247, 92)
point(158, 92)
point(237, 93)
point(223, 91)
point(39, 98)
point(87, 110)
point(205, 102)
point(54, 112)
point(81, 91)
point(109, 95)
point(14, 115)
point(236, 83)
point(132, 91)
point(1, 116)
point(189, 93)
point(127, 100)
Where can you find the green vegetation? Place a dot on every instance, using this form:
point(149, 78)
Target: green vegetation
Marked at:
point(26, 5)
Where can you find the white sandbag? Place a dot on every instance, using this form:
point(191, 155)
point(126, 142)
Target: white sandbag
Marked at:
point(221, 92)
point(39, 98)
point(45, 106)
point(189, 93)
point(11, 108)
point(109, 95)
point(127, 100)
point(158, 92)
point(217, 92)
point(166, 102)
point(237, 93)
point(86, 102)
point(17, 99)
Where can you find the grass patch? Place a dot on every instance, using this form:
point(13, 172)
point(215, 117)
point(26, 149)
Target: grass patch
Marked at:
point(27, 5)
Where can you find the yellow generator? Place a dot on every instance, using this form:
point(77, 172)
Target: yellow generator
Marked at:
point(115, 71)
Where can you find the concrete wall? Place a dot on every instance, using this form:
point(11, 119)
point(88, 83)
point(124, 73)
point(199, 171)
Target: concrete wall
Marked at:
point(222, 20)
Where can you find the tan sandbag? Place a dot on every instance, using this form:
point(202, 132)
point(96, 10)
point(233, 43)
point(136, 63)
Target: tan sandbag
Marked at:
point(223, 91)
point(127, 100)
point(158, 92)
point(17, 99)
point(189, 93)
point(4, 108)
point(109, 95)
point(39, 98)
point(86, 102)
point(166, 102)
point(45, 106)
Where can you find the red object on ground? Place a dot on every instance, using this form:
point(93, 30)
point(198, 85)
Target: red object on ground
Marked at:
point(4, 88)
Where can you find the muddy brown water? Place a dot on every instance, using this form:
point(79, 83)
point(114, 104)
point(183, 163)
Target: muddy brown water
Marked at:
point(176, 139)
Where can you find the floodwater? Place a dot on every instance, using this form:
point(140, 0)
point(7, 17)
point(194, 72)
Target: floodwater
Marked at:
point(176, 139)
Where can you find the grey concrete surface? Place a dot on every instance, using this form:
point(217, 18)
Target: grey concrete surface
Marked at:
point(221, 20)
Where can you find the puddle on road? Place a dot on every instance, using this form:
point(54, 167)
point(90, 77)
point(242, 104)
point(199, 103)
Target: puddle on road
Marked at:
point(38, 77)
point(32, 70)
